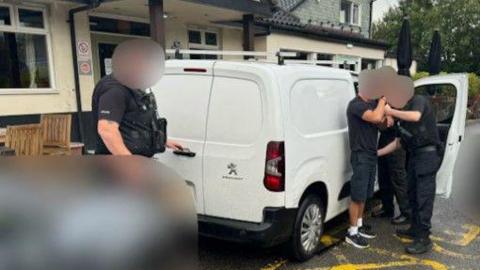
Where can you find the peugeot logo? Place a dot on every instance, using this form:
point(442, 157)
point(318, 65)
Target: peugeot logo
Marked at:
point(232, 169)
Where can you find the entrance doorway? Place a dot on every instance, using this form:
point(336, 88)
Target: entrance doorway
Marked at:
point(103, 46)
point(105, 53)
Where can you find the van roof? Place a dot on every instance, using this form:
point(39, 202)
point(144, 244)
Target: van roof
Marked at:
point(206, 67)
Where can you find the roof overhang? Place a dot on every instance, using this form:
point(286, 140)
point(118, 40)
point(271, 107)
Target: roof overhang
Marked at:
point(256, 7)
point(334, 37)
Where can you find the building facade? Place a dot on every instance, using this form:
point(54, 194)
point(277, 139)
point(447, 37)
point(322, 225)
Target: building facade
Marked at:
point(42, 71)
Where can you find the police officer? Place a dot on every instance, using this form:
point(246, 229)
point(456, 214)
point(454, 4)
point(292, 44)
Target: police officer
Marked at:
point(124, 110)
point(417, 133)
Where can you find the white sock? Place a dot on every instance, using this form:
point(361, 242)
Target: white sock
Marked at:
point(353, 230)
point(360, 222)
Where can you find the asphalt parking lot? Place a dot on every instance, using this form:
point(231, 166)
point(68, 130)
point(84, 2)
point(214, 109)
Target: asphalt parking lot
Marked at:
point(456, 237)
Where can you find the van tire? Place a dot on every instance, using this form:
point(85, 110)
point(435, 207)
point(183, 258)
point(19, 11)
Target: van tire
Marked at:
point(314, 205)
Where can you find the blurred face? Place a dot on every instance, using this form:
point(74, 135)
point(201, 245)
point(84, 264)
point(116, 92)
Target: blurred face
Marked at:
point(400, 92)
point(138, 64)
point(368, 85)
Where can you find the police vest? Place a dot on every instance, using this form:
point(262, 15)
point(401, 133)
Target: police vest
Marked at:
point(143, 132)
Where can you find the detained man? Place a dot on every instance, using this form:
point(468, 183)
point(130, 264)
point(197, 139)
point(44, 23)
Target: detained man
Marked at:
point(364, 113)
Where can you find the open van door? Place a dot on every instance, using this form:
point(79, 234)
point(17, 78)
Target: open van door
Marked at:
point(449, 95)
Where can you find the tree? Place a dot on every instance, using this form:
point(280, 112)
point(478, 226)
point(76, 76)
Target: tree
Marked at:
point(457, 20)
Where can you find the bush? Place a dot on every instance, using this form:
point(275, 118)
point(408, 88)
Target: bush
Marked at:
point(473, 85)
point(419, 75)
point(473, 82)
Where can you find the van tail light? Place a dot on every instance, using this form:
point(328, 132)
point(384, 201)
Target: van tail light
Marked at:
point(275, 167)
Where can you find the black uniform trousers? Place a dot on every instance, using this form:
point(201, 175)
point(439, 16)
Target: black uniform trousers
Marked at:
point(392, 180)
point(421, 171)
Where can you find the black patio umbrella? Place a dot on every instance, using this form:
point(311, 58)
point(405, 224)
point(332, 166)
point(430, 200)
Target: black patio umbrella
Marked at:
point(434, 57)
point(404, 49)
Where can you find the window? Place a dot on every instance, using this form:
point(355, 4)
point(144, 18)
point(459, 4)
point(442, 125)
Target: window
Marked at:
point(24, 51)
point(325, 57)
point(323, 100)
point(443, 98)
point(30, 18)
point(5, 18)
point(349, 13)
point(195, 37)
point(235, 113)
point(369, 63)
point(202, 39)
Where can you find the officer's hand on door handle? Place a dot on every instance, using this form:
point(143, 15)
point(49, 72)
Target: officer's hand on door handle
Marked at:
point(176, 146)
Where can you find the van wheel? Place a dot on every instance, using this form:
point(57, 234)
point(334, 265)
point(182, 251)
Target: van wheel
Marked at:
point(308, 229)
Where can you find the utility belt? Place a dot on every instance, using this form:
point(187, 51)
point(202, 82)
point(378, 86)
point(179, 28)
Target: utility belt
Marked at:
point(425, 149)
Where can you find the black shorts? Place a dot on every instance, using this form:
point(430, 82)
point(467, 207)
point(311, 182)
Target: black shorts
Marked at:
point(364, 167)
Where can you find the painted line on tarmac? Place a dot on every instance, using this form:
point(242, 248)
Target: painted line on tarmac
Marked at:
point(275, 265)
point(404, 261)
point(437, 248)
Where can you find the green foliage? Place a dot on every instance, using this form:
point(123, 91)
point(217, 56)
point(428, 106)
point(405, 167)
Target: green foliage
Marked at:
point(473, 85)
point(420, 74)
point(473, 82)
point(457, 20)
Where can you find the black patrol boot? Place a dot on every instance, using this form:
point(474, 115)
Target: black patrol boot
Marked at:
point(419, 246)
point(406, 233)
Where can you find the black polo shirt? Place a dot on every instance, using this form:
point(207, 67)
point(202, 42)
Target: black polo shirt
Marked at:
point(363, 135)
point(111, 101)
point(425, 131)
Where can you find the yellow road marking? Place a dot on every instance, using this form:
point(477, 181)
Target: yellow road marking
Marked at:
point(443, 251)
point(328, 240)
point(472, 232)
point(405, 261)
point(275, 265)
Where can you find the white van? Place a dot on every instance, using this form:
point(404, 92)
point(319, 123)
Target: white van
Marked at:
point(268, 158)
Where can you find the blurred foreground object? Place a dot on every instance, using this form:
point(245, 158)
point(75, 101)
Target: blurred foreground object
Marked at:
point(95, 212)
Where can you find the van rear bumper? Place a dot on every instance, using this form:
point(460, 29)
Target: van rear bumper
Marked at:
point(276, 228)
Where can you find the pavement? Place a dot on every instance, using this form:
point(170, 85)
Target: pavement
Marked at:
point(456, 234)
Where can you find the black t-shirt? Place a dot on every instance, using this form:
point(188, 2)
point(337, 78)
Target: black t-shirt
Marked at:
point(363, 135)
point(424, 132)
point(111, 101)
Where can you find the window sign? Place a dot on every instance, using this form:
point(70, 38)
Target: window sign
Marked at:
point(108, 66)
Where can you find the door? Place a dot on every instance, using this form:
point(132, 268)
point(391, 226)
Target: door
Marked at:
point(235, 151)
point(183, 100)
point(448, 95)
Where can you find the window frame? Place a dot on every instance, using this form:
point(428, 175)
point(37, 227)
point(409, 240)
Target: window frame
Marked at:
point(349, 20)
point(203, 43)
point(45, 31)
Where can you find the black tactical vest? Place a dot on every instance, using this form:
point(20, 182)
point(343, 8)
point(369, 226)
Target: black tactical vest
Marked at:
point(143, 132)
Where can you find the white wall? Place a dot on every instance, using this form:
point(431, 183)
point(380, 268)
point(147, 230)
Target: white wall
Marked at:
point(277, 41)
point(392, 62)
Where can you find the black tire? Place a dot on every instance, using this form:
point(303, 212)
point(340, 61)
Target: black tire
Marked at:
point(296, 249)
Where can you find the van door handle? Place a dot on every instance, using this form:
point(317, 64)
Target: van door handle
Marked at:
point(185, 152)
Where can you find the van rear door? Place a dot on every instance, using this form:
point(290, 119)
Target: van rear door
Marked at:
point(182, 97)
point(448, 95)
point(236, 144)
